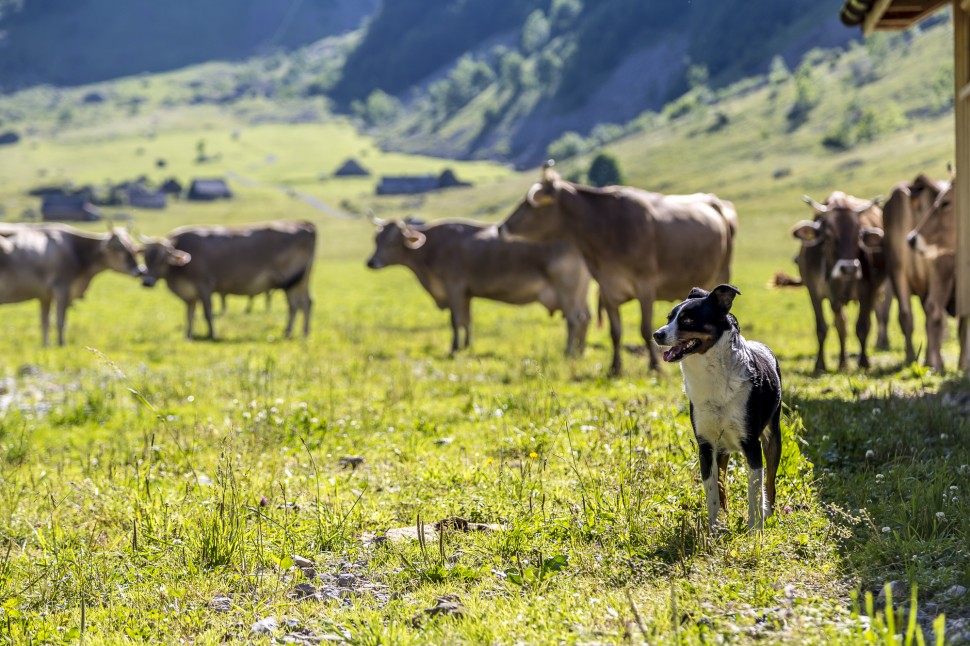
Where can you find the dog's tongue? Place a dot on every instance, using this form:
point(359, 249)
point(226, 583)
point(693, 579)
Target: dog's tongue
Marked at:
point(672, 354)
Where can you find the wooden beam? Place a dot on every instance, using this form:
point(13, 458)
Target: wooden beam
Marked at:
point(875, 15)
point(961, 79)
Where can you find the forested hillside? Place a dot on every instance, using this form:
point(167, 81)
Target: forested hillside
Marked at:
point(72, 42)
point(501, 80)
point(496, 79)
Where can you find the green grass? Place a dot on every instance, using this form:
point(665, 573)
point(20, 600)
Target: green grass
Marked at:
point(144, 479)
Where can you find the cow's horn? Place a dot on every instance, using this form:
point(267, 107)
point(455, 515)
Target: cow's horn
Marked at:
point(531, 196)
point(873, 202)
point(821, 208)
point(376, 221)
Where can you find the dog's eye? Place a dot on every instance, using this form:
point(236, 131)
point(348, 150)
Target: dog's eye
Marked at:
point(686, 320)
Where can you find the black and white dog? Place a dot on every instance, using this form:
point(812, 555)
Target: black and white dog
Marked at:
point(734, 387)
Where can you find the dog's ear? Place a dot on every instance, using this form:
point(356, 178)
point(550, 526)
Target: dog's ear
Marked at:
point(697, 292)
point(724, 296)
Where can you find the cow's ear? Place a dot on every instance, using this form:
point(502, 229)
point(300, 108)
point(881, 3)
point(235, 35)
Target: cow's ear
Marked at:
point(871, 237)
point(724, 295)
point(542, 194)
point(414, 239)
point(178, 258)
point(809, 232)
point(697, 292)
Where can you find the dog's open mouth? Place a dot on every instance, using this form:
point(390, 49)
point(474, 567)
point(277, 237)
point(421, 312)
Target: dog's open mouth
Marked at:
point(681, 350)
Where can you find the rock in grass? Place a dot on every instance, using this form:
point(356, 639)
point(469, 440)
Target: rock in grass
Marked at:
point(301, 562)
point(266, 626)
point(448, 605)
point(955, 592)
point(221, 604)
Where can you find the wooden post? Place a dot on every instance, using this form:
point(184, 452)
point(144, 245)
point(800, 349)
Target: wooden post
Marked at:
point(961, 78)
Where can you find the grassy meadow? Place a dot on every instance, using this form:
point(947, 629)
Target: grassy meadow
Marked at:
point(159, 489)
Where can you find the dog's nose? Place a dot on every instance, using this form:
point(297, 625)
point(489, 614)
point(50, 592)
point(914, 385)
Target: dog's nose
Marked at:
point(658, 335)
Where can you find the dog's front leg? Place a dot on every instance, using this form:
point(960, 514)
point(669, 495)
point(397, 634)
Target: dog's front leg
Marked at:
point(709, 478)
point(756, 499)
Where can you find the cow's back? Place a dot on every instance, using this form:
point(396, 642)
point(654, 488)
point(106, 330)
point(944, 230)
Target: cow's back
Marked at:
point(245, 260)
point(691, 243)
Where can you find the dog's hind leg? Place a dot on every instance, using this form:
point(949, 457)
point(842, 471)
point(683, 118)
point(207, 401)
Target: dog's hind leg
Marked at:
point(709, 478)
point(771, 443)
point(756, 483)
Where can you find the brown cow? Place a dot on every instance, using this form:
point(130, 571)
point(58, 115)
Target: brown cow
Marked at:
point(841, 260)
point(637, 245)
point(907, 206)
point(934, 241)
point(55, 262)
point(197, 262)
point(457, 261)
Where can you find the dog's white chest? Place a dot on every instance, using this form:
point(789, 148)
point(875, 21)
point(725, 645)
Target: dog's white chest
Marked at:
point(718, 385)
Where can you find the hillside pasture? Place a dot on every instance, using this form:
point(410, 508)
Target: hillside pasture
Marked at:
point(160, 489)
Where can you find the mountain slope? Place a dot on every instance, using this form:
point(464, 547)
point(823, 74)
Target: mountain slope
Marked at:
point(72, 42)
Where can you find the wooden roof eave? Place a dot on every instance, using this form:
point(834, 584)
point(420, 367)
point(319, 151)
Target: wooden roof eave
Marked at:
point(895, 15)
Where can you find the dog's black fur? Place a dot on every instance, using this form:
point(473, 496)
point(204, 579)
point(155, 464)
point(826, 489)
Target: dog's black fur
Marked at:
point(734, 387)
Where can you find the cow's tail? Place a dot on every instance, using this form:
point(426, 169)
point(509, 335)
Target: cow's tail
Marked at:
point(727, 211)
point(782, 279)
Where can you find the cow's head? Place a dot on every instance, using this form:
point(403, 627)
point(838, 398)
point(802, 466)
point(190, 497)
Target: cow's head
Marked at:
point(538, 216)
point(936, 234)
point(160, 256)
point(840, 234)
point(121, 253)
point(394, 242)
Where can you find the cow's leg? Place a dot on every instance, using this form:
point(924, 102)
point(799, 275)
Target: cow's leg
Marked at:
point(821, 331)
point(646, 330)
point(293, 306)
point(222, 299)
point(190, 318)
point(577, 323)
point(466, 316)
point(61, 301)
point(883, 303)
point(307, 306)
point(206, 299)
point(751, 448)
point(905, 315)
point(838, 315)
point(249, 305)
point(45, 320)
point(709, 478)
point(933, 305)
point(616, 333)
point(863, 324)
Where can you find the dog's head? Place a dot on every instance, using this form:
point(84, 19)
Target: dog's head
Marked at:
point(695, 325)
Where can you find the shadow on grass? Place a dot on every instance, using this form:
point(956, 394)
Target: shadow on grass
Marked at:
point(892, 471)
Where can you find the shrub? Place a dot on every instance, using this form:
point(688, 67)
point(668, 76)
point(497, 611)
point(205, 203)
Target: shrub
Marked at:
point(604, 171)
point(535, 32)
point(568, 145)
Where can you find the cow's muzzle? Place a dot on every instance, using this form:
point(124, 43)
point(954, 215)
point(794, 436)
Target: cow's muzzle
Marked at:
point(847, 269)
point(913, 239)
point(148, 281)
point(374, 263)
